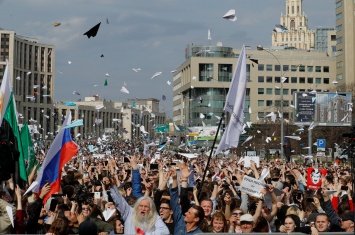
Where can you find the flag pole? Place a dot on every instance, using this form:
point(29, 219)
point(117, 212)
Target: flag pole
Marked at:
point(209, 158)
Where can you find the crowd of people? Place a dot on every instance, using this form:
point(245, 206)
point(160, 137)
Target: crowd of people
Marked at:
point(119, 190)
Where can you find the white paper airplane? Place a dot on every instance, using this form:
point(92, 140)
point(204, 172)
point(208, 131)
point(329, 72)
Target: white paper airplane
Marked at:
point(230, 15)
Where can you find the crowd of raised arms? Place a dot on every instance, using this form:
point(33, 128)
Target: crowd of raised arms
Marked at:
point(118, 190)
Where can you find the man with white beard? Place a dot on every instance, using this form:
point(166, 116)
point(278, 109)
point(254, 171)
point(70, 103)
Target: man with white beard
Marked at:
point(142, 218)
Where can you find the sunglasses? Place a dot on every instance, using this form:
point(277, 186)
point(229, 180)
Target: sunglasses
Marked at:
point(237, 213)
point(86, 209)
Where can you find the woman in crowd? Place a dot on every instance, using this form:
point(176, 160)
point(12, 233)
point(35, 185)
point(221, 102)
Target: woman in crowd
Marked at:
point(219, 223)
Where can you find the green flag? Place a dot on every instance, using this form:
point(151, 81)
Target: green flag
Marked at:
point(7, 104)
point(11, 117)
point(28, 149)
point(105, 84)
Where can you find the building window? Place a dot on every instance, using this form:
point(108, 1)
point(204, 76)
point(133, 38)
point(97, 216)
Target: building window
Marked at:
point(302, 80)
point(205, 72)
point(269, 67)
point(326, 80)
point(302, 68)
point(269, 91)
point(293, 79)
point(277, 67)
point(225, 72)
point(260, 78)
point(294, 68)
point(277, 103)
point(325, 69)
point(260, 67)
point(261, 114)
point(277, 91)
point(310, 69)
point(285, 91)
point(318, 69)
point(260, 91)
point(339, 16)
point(310, 80)
point(269, 103)
point(286, 103)
point(318, 80)
point(260, 103)
point(287, 80)
point(285, 68)
point(269, 79)
point(293, 91)
point(277, 79)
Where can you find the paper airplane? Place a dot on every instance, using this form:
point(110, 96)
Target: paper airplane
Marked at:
point(293, 137)
point(230, 15)
point(124, 90)
point(156, 75)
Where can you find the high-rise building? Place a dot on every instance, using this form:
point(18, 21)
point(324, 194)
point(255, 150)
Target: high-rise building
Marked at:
point(293, 29)
point(345, 38)
point(325, 40)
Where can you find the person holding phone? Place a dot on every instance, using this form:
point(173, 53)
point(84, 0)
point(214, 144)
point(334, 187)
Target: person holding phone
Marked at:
point(35, 212)
point(343, 197)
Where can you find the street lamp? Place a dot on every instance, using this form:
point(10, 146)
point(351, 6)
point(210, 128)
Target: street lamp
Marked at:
point(225, 96)
point(261, 48)
point(185, 118)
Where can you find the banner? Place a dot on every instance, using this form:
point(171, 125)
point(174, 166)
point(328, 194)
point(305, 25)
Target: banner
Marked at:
point(252, 186)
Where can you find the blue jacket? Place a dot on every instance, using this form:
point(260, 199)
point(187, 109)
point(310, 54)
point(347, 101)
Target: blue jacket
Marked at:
point(136, 184)
point(180, 225)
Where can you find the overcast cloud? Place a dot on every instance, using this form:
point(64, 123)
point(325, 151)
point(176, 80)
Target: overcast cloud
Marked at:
point(151, 35)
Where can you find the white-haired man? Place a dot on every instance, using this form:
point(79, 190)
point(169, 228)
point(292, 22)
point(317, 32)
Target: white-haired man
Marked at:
point(142, 218)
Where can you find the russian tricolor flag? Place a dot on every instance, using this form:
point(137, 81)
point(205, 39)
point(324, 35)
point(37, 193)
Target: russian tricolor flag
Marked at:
point(61, 151)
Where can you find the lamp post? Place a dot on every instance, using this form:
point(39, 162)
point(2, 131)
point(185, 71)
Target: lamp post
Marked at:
point(225, 96)
point(261, 48)
point(185, 118)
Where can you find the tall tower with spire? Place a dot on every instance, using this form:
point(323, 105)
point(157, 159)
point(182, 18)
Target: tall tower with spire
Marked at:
point(293, 29)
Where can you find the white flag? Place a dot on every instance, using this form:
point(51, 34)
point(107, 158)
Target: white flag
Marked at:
point(209, 35)
point(235, 106)
point(5, 92)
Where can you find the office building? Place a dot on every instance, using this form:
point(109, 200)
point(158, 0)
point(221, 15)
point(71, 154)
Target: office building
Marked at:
point(345, 38)
point(201, 82)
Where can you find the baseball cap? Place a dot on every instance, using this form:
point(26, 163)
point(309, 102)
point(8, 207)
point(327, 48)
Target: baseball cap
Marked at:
point(347, 216)
point(247, 218)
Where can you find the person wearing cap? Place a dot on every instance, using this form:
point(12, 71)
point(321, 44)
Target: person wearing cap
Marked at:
point(347, 221)
point(246, 223)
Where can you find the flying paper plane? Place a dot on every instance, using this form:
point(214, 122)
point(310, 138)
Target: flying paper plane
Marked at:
point(230, 15)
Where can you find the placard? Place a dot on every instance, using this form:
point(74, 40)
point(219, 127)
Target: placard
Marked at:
point(252, 186)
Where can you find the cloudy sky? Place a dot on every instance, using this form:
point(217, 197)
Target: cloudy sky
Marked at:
point(146, 34)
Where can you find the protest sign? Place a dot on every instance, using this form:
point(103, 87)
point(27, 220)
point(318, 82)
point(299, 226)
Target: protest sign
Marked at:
point(252, 186)
point(314, 178)
point(247, 160)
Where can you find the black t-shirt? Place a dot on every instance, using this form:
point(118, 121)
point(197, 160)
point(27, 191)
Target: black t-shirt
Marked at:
point(170, 227)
